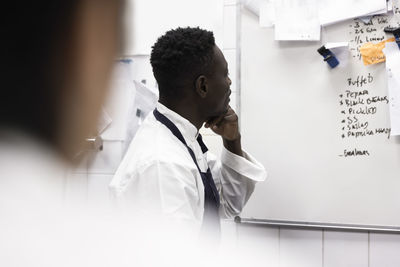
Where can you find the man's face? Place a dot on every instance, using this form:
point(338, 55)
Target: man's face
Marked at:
point(217, 100)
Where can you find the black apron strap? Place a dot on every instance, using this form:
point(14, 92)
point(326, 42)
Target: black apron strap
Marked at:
point(175, 131)
point(203, 147)
point(211, 199)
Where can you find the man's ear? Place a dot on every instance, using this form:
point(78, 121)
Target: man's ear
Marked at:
point(201, 86)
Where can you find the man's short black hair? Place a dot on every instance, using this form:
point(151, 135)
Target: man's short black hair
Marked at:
point(179, 57)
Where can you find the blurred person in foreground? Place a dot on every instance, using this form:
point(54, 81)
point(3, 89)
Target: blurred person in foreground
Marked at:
point(56, 61)
point(167, 175)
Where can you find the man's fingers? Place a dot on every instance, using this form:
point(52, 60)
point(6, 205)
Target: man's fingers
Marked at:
point(227, 119)
point(231, 118)
point(212, 121)
point(215, 121)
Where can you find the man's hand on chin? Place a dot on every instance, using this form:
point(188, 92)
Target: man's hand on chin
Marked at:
point(227, 126)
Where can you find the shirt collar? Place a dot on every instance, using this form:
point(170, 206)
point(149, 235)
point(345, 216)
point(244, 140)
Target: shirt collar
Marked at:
point(188, 130)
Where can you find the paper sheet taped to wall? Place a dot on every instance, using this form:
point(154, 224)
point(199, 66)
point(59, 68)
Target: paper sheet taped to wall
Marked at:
point(392, 53)
point(267, 13)
point(341, 51)
point(334, 11)
point(297, 20)
point(329, 11)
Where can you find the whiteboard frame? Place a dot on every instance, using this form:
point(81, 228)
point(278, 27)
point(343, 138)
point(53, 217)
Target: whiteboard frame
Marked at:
point(285, 223)
point(319, 226)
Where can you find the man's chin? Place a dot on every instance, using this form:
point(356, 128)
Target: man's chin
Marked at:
point(217, 115)
point(227, 106)
point(220, 112)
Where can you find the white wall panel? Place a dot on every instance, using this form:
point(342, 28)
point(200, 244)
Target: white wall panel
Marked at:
point(230, 2)
point(107, 160)
point(149, 19)
point(98, 193)
point(300, 248)
point(259, 244)
point(229, 41)
point(384, 250)
point(345, 249)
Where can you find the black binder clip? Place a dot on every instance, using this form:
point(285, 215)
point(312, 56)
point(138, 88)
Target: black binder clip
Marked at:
point(395, 32)
point(329, 57)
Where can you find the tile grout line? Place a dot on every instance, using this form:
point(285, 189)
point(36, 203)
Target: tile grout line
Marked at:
point(87, 176)
point(369, 248)
point(323, 247)
point(231, 4)
point(236, 235)
point(279, 246)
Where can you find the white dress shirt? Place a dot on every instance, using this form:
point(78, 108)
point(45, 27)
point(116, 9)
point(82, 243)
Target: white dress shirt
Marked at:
point(158, 177)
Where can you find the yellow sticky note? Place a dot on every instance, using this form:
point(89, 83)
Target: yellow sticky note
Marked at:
point(372, 53)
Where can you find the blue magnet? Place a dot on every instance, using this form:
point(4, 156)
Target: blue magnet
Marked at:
point(329, 57)
point(395, 32)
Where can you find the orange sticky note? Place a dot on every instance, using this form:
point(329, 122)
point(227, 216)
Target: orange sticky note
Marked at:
point(372, 53)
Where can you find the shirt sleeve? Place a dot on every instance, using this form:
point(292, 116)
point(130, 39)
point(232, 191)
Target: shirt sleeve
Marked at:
point(235, 178)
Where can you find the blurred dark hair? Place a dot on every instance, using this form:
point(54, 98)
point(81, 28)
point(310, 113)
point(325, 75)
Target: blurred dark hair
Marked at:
point(33, 34)
point(179, 57)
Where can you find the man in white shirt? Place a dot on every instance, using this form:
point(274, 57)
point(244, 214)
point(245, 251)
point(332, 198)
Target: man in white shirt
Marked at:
point(167, 172)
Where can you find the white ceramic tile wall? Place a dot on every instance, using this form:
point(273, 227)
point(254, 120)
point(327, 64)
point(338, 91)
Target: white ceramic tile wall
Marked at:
point(82, 167)
point(307, 248)
point(229, 34)
point(228, 235)
point(300, 248)
point(339, 245)
point(259, 244)
point(384, 250)
point(230, 2)
point(75, 190)
point(107, 160)
point(98, 194)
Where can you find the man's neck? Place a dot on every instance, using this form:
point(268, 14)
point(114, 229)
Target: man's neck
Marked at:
point(185, 109)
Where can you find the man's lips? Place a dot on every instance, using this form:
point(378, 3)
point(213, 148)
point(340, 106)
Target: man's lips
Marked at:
point(228, 99)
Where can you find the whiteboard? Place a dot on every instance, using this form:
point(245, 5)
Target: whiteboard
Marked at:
point(292, 121)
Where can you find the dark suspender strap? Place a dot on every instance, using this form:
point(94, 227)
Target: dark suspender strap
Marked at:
point(203, 147)
point(175, 131)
